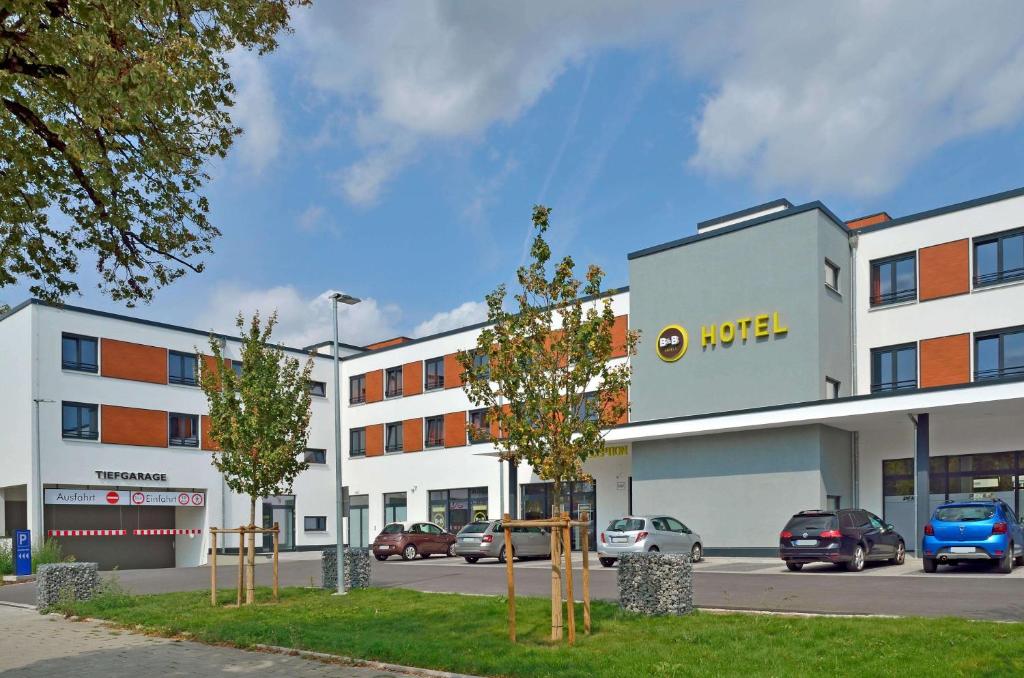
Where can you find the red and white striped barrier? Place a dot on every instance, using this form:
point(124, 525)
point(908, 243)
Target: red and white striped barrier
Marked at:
point(164, 532)
point(86, 533)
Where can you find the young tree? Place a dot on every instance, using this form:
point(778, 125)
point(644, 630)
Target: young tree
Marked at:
point(109, 113)
point(543, 370)
point(259, 420)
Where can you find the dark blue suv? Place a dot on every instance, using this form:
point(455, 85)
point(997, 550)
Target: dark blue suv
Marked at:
point(973, 530)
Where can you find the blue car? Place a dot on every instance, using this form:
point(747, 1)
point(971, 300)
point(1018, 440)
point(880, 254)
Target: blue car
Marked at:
point(973, 530)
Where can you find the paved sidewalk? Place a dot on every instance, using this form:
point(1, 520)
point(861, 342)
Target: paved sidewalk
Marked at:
point(32, 644)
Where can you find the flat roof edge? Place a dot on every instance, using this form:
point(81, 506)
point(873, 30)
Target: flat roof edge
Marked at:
point(946, 209)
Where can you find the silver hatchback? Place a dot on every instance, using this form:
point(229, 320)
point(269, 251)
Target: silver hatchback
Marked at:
point(486, 539)
point(640, 534)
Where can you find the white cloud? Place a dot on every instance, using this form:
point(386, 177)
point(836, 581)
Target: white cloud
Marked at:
point(302, 320)
point(255, 111)
point(468, 313)
point(311, 218)
point(823, 96)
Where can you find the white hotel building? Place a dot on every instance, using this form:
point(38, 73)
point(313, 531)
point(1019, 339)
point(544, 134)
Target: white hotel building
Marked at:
point(874, 363)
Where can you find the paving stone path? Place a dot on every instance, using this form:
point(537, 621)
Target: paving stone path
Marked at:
point(32, 644)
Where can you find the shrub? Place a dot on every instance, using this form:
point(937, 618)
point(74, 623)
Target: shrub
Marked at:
point(48, 552)
point(6, 558)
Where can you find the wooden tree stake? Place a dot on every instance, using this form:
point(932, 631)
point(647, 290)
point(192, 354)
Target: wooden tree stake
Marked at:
point(511, 579)
point(556, 581)
point(570, 597)
point(213, 569)
point(241, 563)
point(276, 541)
point(585, 545)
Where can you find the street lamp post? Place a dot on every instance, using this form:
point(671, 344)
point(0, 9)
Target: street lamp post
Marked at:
point(345, 299)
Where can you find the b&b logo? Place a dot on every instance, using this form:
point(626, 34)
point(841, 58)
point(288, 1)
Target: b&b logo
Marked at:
point(672, 343)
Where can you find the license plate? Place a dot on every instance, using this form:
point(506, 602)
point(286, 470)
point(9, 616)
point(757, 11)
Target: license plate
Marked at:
point(619, 540)
point(961, 549)
point(805, 542)
point(384, 547)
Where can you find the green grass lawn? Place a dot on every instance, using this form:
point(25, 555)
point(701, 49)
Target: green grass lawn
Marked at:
point(468, 634)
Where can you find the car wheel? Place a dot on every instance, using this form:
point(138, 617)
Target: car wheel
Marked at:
point(501, 554)
point(380, 556)
point(696, 553)
point(794, 567)
point(607, 562)
point(451, 550)
point(901, 554)
point(409, 552)
point(471, 559)
point(653, 549)
point(856, 563)
point(1006, 562)
point(929, 565)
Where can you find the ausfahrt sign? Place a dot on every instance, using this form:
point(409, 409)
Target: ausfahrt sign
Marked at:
point(103, 497)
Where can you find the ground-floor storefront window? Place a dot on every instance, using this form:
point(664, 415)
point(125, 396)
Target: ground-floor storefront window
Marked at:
point(454, 509)
point(394, 507)
point(577, 497)
point(961, 477)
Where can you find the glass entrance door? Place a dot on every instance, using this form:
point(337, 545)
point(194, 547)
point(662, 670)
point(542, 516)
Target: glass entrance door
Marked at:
point(280, 510)
point(359, 521)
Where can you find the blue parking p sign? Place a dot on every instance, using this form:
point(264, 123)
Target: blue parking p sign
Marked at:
point(22, 553)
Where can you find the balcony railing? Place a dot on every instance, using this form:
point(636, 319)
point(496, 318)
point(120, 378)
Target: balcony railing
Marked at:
point(1007, 372)
point(894, 297)
point(997, 277)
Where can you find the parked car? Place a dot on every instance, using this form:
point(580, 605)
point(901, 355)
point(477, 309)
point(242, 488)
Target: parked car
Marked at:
point(640, 534)
point(486, 539)
point(413, 539)
point(973, 530)
point(849, 537)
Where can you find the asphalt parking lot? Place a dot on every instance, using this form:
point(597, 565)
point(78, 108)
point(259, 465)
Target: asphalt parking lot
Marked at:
point(969, 590)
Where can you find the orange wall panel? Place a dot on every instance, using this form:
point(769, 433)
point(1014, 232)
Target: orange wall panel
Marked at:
point(205, 440)
point(869, 220)
point(412, 378)
point(945, 360)
point(133, 426)
point(619, 330)
point(495, 429)
point(386, 343)
point(455, 429)
point(374, 440)
point(138, 362)
point(944, 270)
point(375, 386)
point(412, 435)
point(452, 371)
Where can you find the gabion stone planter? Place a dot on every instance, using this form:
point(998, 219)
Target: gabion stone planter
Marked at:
point(656, 583)
point(357, 568)
point(65, 581)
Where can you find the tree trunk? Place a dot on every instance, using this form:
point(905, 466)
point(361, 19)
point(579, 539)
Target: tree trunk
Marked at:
point(250, 590)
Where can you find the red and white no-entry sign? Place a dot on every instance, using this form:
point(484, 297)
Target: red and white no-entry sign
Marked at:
point(113, 497)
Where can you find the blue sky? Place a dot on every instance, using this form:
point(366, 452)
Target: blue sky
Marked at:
point(394, 151)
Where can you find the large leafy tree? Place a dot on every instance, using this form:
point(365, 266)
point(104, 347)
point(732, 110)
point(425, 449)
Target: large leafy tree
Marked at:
point(543, 369)
point(259, 419)
point(109, 112)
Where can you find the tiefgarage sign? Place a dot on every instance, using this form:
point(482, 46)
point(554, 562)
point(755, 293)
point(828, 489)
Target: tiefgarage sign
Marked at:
point(75, 497)
point(673, 340)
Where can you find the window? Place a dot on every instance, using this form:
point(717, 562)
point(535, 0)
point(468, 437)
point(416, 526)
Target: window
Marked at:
point(831, 276)
point(394, 507)
point(831, 388)
point(999, 258)
point(357, 442)
point(80, 421)
point(318, 388)
point(181, 368)
point(314, 523)
point(314, 456)
point(894, 368)
point(357, 389)
point(589, 407)
point(236, 367)
point(78, 353)
point(183, 430)
point(433, 374)
point(435, 432)
point(393, 437)
point(478, 432)
point(894, 280)
point(393, 382)
point(480, 362)
point(676, 526)
point(999, 354)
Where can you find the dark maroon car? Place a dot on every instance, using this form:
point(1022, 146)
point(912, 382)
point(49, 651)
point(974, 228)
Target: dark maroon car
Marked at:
point(413, 539)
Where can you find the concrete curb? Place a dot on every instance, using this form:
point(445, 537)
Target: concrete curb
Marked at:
point(20, 606)
point(382, 666)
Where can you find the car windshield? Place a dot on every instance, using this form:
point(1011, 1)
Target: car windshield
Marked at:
point(626, 525)
point(393, 528)
point(811, 523)
point(964, 514)
point(475, 528)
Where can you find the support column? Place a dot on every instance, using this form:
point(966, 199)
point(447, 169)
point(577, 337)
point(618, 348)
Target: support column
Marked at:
point(922, 491)
point(513, 490)
point(3, 513)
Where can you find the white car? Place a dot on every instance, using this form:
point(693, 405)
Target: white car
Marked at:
point(642, 534)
